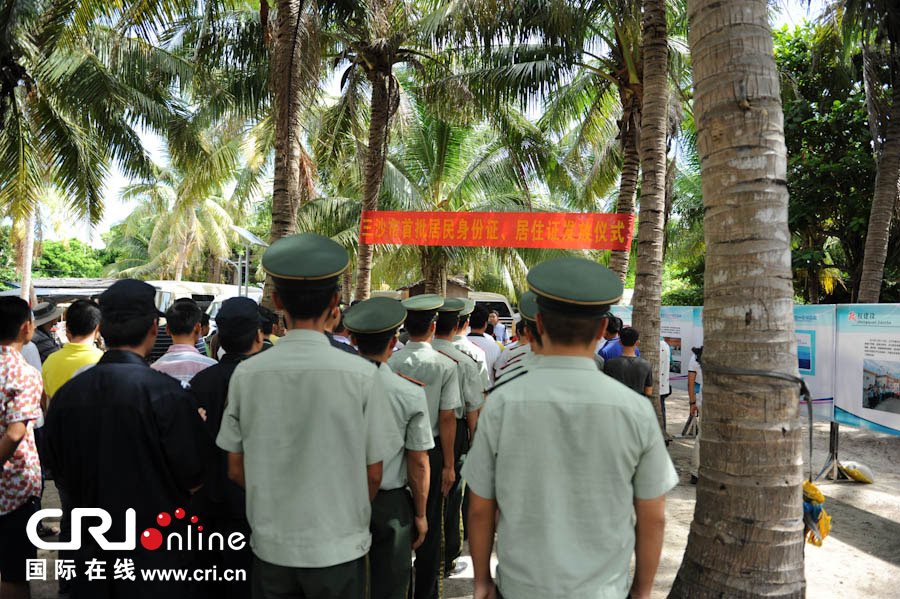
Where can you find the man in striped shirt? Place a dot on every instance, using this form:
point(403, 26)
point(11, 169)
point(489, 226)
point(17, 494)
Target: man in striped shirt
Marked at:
point(182, 360)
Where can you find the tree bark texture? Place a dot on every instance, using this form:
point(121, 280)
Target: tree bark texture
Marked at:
point(27, 258)
point(651, 231)
point(631, 162)
point(380, 116)
point(346, 286)
point(885, 198)
point(746, 539)
point(434, 270)
point(288, 88)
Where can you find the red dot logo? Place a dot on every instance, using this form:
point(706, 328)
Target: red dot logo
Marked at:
point(194, 519)
point(179, 513)
point(151, 539)
point(200, 528)
point(163, 519)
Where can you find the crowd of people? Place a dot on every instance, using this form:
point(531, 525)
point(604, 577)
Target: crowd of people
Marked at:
point(339, 451)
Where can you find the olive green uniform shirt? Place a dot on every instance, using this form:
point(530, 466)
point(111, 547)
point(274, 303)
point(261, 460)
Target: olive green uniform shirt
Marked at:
point(410, 411)
point(565, 450)
point(419, 361)
point(471, 388)
point(308, 418)
point(476, 353)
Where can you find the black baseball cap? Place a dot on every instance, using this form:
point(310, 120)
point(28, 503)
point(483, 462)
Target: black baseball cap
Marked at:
point(238, 316)
point(129, 298)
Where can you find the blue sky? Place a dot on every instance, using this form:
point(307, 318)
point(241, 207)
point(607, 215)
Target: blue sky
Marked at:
point(791, 13)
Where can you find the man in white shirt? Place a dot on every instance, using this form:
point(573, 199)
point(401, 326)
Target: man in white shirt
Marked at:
point(478, 322)
point(665, 389)
point(500, 332)
point(183, 360)
point(695, 397)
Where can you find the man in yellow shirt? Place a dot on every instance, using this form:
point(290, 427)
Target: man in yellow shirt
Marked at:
point(82, 327)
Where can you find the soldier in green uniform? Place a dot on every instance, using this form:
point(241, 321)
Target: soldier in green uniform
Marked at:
point(463, 344)
point(307, 427)
point(601, 459)
point(530, 350)
point(420, 361)
point(472, 391)
point(399, 523)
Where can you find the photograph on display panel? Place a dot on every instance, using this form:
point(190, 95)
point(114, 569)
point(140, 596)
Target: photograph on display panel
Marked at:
point(881, 385)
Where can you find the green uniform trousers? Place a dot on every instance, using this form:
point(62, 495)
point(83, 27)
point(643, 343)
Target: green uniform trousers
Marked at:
point(343, 581)
point(428, 555)
point(453, 513)
point(393, 532)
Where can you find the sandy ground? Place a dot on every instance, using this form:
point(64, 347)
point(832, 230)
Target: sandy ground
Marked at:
point(861, 557)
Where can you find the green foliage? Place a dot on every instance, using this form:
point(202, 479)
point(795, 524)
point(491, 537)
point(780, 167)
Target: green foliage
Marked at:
point(71, 258)
point(831, 166)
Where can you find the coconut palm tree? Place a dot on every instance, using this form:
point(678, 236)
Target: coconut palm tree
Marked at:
point(746, 539)
point(180, 231)
point(74, 86)
point(651, 225)
point(872, 21)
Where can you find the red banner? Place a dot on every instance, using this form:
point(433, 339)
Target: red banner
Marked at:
point(558, 230)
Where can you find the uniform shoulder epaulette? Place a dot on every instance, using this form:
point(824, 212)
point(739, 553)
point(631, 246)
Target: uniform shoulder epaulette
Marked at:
point(504, 381)
point(455, 361)
point(471, 357)
point(419, 383)
point(510, 363)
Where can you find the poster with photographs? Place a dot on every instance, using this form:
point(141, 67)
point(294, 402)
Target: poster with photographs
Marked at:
point(623, 312)
point(677, 330)
point(867, 386)
point(815, 355)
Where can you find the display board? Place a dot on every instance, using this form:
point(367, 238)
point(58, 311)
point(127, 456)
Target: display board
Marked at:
point(698, 326)
point(677, 329)
point(867, 360)
point(814, 326)
point(623, 312)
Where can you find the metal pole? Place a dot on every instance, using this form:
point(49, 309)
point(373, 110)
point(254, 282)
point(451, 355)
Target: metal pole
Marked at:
point(247, 272)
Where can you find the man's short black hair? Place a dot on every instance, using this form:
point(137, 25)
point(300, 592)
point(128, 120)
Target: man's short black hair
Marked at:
point(418, 322)
point(126, 332)
point(463, 322)
point(478, 318)
point(629, 336)
point(237, 344)
point(531, 325)
point(373, 344)
point(14, 312)
point(204, 320)
point(520, 326)
point(495, 312)
point(300, 301)
point(339, 328)
point(269, 318)
point(182, 316)
point(614, 325)
point(565, 329)
point(82, 318)
point(446, 322)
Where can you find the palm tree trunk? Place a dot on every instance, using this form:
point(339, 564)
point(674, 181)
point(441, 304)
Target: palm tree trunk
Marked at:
point(631, 162)
point(27, 258)
point(434, 270)
point(651, 232)
point(746, 539)
point(287, 176)
point(885, 198)
point(374, 172)
point(346, 286)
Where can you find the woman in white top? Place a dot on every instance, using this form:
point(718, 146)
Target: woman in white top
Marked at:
point(695, 395)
